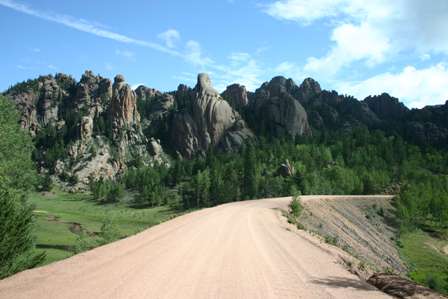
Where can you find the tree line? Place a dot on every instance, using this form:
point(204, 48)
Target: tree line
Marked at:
point(357, 161)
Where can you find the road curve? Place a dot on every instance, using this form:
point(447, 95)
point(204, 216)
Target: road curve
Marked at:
point(236, 250)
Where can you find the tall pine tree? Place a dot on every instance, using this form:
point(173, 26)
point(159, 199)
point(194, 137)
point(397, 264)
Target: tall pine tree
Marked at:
point(250, 179)
point(17, 176)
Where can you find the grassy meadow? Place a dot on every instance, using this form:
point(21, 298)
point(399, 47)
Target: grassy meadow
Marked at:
point(427, 258)
point(69, 223)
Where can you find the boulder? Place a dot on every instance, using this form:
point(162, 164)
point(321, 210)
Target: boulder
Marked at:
point(286, 169)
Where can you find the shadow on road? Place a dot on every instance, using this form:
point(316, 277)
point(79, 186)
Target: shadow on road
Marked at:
point(342, 282)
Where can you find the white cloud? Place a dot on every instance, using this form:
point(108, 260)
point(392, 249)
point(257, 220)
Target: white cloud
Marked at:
point(171, 37)
point(416, 87)
point(303, 11)
point(36, 50)
point(285, 67)
point(194, 54)
point(425, 57)
point(370, 31)
point(52, 67)
point(136, 85)
point(352, 43)
point(243, 69)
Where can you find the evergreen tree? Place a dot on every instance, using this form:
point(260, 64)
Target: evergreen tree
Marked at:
point(16, 241)
point(17, 176)
point(250, 180)
point(15, 149)
point(202, 188)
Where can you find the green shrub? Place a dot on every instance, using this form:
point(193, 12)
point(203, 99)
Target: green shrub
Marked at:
point(295, 208)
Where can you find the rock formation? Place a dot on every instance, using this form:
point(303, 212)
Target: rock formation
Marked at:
point(38, 100)
point(204, 120)
point(277, 112)
point(237, 97)
point(97, 128)
point(308, 90)
point(155, 108)
point(386, 107)
point(97, 123)
point(123, 107)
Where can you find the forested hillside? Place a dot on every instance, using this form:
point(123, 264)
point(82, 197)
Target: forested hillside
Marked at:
point(98, 128)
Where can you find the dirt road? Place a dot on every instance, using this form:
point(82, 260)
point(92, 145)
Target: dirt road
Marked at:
point(238, 250)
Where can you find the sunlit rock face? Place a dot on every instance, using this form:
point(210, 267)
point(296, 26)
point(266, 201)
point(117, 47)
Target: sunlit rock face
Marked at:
point(205, 120)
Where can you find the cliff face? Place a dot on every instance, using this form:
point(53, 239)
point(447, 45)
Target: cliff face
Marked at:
point(277, 110)
point(84, 130)
point(97, 128)
point(204, 120)
point(237, 97)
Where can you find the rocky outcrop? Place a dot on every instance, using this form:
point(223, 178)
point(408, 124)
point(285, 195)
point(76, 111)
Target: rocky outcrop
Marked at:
point(123, 107)
point(98, 127)
point(205, 120)
point(94, 124)
point(277, 112)
point(127, 133)
point(155, 108)
point(237, 97)
point(38, 100)
point(331, 111)
point(86, 128)
point(308, 90)
point(92, 95)
point(387, 107)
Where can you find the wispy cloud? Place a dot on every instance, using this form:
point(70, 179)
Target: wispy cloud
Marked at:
point(85, 26)
point(242, 68)
point(22, 67)
point(171, 37)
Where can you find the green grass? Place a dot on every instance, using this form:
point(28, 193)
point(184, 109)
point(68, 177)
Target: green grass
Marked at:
point(56, 211)
point(428, 264)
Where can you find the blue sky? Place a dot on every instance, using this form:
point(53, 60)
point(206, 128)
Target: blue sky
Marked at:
point(353, 46)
